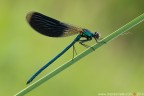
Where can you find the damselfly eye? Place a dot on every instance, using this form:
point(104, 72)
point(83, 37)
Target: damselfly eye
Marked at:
point(96, 35)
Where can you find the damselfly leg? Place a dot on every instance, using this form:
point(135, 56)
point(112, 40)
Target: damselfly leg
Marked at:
point(74, 51)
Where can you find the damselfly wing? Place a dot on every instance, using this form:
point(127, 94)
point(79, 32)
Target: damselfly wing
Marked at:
point(51, 27)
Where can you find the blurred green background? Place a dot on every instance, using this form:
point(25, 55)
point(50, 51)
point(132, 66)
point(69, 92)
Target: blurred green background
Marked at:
point(117, 67)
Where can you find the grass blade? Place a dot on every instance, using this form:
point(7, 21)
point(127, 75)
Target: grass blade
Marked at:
point(110, 37)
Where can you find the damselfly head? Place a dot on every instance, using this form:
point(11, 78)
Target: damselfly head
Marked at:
point(96, 35)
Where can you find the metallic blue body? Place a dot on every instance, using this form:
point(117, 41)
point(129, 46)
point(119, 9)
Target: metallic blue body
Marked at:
point(53, 28)
point(87, 34)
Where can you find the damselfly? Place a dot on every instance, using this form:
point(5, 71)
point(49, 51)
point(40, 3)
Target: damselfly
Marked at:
point(54, 28)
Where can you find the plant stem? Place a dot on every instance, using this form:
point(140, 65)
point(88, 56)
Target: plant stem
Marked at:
point(113, 35)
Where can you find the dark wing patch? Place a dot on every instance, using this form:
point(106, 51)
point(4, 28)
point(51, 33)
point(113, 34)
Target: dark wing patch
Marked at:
point(45, 25)
point(49, 26)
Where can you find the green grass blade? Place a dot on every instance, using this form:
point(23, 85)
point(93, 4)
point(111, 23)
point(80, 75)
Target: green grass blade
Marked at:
point(83, 54)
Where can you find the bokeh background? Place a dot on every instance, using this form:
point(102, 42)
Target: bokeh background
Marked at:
point(117, 67)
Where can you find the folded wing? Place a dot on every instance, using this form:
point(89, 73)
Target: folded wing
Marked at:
point(51, 27)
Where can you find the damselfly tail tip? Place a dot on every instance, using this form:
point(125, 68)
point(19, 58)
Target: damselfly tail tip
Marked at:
point(28, 81)
point(29, 15)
